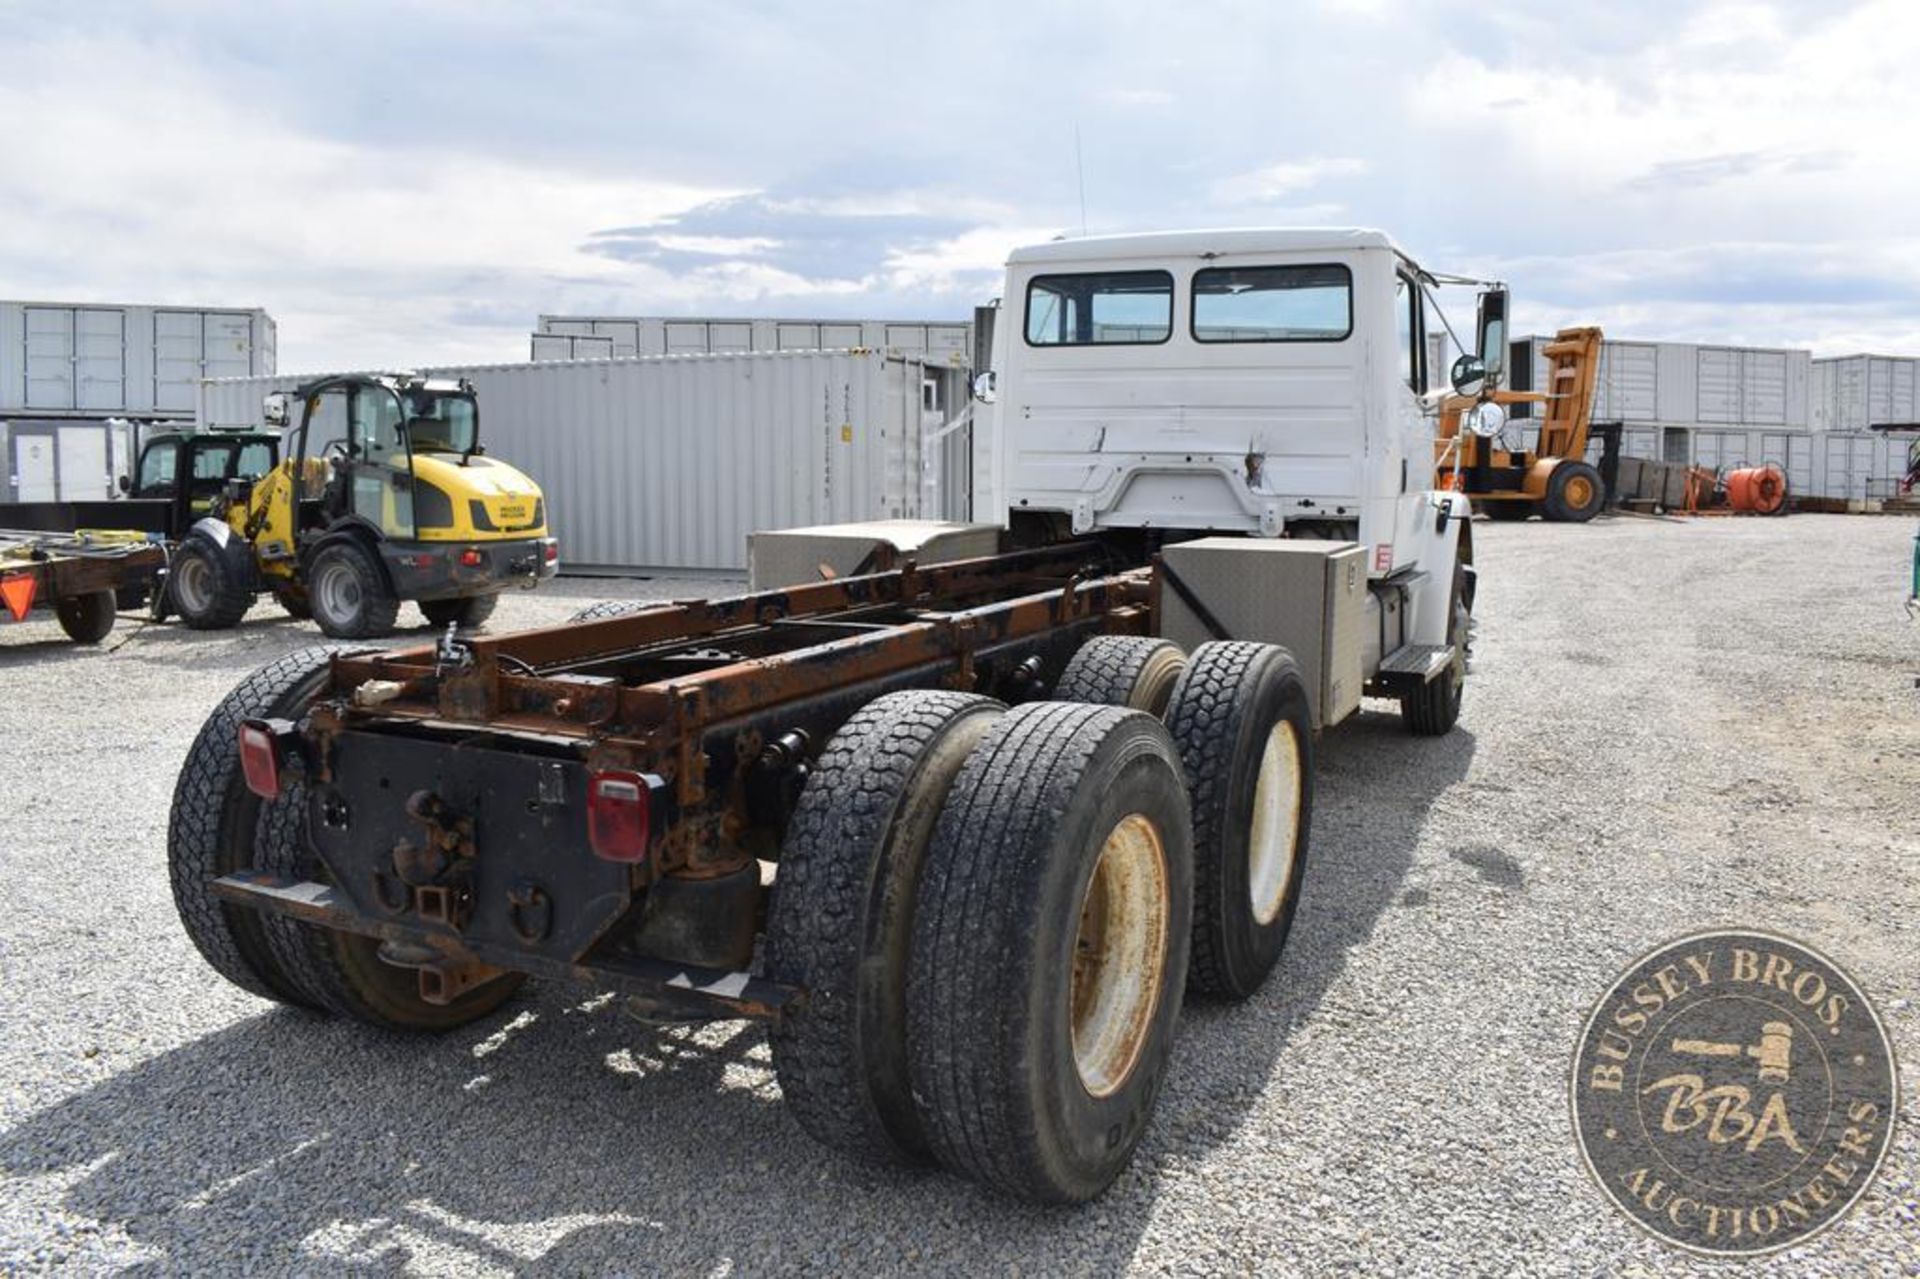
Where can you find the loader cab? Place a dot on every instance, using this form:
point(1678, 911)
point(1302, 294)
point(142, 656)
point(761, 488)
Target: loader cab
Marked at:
point(357, 442)
point(1269, 383)
point(193, 469)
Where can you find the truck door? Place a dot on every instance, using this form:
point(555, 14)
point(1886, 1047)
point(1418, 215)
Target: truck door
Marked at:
point(1410, 468)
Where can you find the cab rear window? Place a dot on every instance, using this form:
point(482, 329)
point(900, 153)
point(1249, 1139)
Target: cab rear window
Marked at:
point(1100, 308)
point(1307, 303)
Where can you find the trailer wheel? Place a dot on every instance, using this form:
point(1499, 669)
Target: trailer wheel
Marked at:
point(1241, 719)
point(1575, 493)
point(1135, 671)
point(341, 972)
point(206, 586)
point(842, 914)
point(469, 612)
point(1505, 509)
point(1049, 949)
point(349, 593)
point(86, 618)
point(610, 608)
point(212, 827)
point(1435, 709)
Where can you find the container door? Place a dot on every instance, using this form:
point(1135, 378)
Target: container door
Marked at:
point(177, 349)
point(623, 337)
point(49, 357)
point(100, 359)
point(801, 337)
point(730, 337)
point(686, 337)
point(1763, 387)
point(228, 346)
point(548, 346)
point(1628, 383)
point(949, 340)
point(1719, 384)
point(907, 337)
point(83, 463)
point(835, 337)
point(34, 477)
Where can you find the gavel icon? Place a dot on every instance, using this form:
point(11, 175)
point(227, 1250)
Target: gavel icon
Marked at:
point(1774, 1052)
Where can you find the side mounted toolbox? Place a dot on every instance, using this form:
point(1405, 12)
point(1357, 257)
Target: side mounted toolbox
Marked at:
point(1307, 596)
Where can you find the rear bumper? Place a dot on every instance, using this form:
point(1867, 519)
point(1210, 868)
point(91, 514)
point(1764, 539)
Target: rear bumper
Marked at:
point(426, 571)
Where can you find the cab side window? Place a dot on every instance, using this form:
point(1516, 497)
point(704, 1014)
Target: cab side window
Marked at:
point(156, 469)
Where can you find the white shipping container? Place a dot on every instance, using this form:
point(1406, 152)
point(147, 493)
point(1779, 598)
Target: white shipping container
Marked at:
point(1682, 385)
point(697, 335)
point(62, 460)
point(61, 360)
point(1858, 392)
point(667, 463)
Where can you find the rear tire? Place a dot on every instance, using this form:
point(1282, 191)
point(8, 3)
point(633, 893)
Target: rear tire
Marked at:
point(1241, 719)
point(86, 618)
point(212, 826)
point(469, 612)
point(842, 916)
point(1049, 950)
point(1575, 493)
point(349, 593)
point(1134, 671)
point(205, 585)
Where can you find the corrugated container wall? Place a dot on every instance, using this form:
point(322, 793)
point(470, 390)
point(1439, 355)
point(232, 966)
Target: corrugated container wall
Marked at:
point(59, 360)
point(1858, 392)
point(1682, 384)
point(668, 463)
point(578, 337)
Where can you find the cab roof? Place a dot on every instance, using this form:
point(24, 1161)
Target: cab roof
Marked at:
point(1197, 244)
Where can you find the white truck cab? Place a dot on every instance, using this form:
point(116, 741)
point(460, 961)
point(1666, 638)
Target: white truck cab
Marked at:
point(1264, 384)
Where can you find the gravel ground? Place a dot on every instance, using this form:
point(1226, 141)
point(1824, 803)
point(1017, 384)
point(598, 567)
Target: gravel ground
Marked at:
point(1670, 727)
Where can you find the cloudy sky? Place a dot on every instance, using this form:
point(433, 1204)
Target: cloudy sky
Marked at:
point(413, 184)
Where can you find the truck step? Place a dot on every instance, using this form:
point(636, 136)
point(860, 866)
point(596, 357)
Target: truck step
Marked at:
point(1420, 661)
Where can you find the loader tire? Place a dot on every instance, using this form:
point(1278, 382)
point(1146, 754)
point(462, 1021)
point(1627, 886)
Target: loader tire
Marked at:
point(469, 612)
point(1241, 719)
point(610, 608)
point(349, 593)
point(1575, 493)
point(213, 824)
point(206, 585)
point(86, 618)
point(341, 972)
point(1135, 671)
point(1435, 708)
point(1049, 950)
point(841, 921)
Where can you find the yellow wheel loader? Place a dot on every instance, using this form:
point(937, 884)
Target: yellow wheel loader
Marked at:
point(384, 494)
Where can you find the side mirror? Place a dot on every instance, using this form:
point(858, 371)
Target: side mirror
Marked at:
point(1469, 375)
point(1493, 334)
point(126, 485)
point(1486, 420)
point(273, 409)
point(986, 387)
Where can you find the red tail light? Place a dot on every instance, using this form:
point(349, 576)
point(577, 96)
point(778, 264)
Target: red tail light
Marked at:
point(471, 557)
point(619, 815)
point(552, 552)
point(260, 759)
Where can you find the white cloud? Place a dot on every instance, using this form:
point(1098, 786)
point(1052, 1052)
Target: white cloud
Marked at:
point(1278, 181)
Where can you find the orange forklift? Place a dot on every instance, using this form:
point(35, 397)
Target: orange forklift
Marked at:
point(1554, 478)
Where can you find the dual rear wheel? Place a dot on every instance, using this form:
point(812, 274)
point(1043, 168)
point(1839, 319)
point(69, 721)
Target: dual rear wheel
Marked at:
point(996, 913)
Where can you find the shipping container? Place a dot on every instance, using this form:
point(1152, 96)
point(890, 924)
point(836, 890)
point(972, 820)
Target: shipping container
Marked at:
point(572, 337)
point(667, 463)
point(1683, 384)
point(64, 459)
point(1858, 392)
point(60, 360)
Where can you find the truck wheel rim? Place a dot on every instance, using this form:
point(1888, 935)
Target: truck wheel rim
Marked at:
point(1119, 955)
point(192, 585)
point(1579, 492)
point(336, 593)
point(1274, 839)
